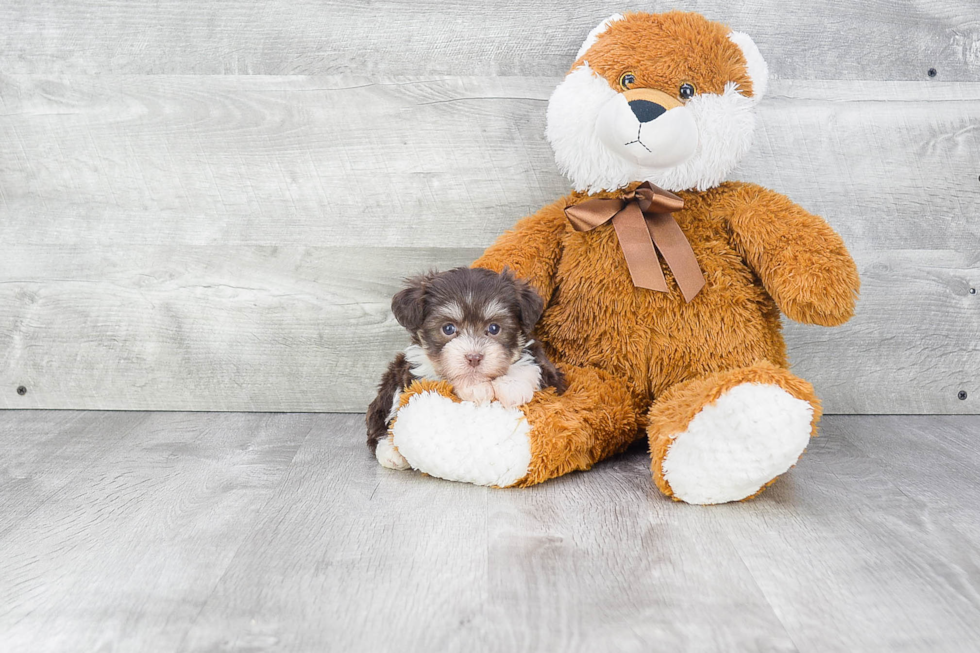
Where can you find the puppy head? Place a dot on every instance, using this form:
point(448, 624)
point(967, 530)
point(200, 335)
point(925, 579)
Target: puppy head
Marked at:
point(665, 98)
point(472, 323)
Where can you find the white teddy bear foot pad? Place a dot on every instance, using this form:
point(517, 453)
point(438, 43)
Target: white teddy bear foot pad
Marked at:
point(733, 447)
point(483, 444)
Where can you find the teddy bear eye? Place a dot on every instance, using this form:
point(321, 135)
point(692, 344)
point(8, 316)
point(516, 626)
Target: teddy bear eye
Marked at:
point(627, 80)
point(493, 329)
point(449, 329)
point(687, 91)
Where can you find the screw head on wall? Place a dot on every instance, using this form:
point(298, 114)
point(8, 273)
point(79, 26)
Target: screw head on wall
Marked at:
point(21, 390)
point(961, 395)
point(932, 72)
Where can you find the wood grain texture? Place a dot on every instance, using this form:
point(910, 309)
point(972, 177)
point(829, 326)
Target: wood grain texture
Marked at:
point(41, 454)
point(886, 498)
point(350, 555)
point(205, 328)
point(249, 532)
point(125, 554)
point(310, 329)
point(619, 548)
point(875, 39)
point(954, 436)
point(412, 162)
point(912, 346)
point(231, 243)
point(272, 160)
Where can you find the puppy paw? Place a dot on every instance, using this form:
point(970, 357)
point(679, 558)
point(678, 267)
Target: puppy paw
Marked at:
point(512, 392)
point(479, 393)
point(389, 457)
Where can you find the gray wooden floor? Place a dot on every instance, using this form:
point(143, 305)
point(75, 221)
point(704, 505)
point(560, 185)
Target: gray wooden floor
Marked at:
point(255, 532)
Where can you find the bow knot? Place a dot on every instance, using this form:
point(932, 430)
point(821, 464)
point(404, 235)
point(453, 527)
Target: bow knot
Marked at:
point(644, 224)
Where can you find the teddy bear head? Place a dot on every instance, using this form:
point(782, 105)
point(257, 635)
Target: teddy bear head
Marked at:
point(666, 98)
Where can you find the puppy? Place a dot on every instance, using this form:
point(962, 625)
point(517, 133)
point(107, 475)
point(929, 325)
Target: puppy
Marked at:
point(471, 327)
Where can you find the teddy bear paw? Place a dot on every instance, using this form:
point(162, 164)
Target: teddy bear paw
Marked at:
point(483, 444)
point(735, 446)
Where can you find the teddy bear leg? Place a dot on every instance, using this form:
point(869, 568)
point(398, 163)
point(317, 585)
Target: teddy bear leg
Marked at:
point(596, 417)
point(488, 444)
point(727, 436)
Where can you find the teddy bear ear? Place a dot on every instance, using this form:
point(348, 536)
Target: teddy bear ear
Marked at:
point(594, 34)
point(758, 70)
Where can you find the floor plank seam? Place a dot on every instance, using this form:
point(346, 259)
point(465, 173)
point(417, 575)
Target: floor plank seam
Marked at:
point(762, 593)
point(192, 623)
point(41, 504)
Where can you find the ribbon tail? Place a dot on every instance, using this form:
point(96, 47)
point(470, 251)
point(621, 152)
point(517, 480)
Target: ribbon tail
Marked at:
point(641, 256)
point(677, 252)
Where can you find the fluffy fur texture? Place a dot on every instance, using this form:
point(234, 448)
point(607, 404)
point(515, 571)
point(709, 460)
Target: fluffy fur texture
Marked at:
point(731, 448)
point(709, 376)
point(396, 378)
point(472, 328)
point(755, 65)
point(483, 444)
point(723, 125)
point(713, 128)
point(389, 456)
point(594, 34)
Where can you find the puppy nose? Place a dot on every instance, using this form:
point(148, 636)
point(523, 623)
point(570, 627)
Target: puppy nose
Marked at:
point(474, 359)
point(645, 110)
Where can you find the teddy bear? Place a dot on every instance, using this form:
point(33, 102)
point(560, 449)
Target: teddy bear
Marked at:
point(663, 282)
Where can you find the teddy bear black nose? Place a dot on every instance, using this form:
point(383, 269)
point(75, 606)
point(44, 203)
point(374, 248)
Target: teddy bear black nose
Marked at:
point(645, 110)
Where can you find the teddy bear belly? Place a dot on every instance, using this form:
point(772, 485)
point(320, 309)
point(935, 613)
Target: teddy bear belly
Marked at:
point(655, 339)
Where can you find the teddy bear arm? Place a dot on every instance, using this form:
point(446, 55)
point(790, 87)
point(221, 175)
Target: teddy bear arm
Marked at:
point(802, 262)
point(531, 249)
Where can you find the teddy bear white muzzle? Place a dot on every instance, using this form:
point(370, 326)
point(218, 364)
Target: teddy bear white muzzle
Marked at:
point(644, 132)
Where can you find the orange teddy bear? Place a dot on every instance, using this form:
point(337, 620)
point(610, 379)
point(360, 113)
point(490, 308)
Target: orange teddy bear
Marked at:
point(685, 346)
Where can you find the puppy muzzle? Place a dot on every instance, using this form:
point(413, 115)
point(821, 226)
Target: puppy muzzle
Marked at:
point(473, 357)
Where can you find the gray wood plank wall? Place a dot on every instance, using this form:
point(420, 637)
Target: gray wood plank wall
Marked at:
point(207, 206)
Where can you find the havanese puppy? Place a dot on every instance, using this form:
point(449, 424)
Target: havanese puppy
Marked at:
point(471, 327)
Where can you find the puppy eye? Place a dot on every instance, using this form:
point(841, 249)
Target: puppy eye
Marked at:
point(449, 329)
point(627, 80)
point(687, 91)
point(493, 329)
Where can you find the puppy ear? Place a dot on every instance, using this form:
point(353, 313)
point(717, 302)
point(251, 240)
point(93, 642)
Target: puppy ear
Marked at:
point(531, 305)
point(408, 304)
point(594, 34)
point(756, 65)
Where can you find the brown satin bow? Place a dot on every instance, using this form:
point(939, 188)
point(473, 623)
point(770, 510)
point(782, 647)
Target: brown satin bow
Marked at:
point(642, 219)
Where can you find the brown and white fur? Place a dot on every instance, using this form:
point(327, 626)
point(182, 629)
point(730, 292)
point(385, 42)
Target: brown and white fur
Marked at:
point(471, 327)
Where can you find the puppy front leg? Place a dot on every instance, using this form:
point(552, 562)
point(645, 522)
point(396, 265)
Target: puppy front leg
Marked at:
point(388, 456)
point(517, 386)
point(480, 392)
